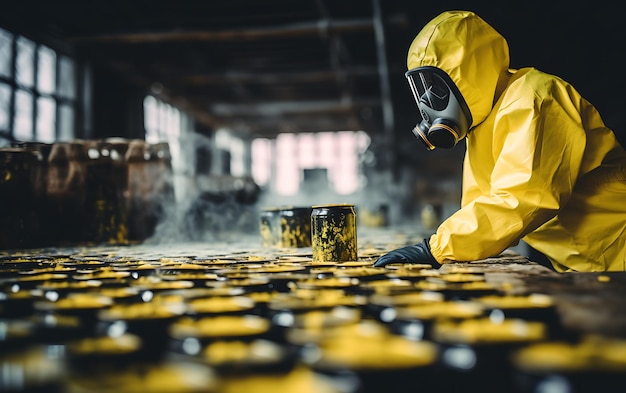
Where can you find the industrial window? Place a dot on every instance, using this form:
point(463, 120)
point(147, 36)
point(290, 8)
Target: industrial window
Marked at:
point(262, 153)
point(37, 91)
point(287, 159)
point(163, 123)
point(235, 146)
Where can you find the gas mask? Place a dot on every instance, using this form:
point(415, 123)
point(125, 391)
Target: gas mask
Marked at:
point(446, 118)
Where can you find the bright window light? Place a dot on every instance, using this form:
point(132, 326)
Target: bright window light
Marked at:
point(23, 127)
point(67, 85)
point(287, 169)
point(6, 53)
point(161, 121)
point(261, 161)
point(38, 95)
point(338, 153)
point(24, 64)
point(46, 114)
point(5, 97)
point(237, 157)
point(46, 70)
point(307, 150)
point(164, 123)
point(66, 123)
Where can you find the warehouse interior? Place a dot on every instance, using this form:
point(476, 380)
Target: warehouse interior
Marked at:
point(244, 82)
point(225, 111)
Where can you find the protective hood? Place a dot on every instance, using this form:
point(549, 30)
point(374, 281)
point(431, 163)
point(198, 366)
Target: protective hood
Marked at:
point(470, 51)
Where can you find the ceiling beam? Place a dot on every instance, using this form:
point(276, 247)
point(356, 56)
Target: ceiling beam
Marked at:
point(264, 127)
point(227, 77)
point(294, 30)
point(290, 107)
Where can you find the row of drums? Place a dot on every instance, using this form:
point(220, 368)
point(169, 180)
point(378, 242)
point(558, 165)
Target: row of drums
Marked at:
point(53, 194)
point(138, 320)
point(330, 230)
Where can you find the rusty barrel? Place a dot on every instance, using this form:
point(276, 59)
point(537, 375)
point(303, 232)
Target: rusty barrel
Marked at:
point(18, 219)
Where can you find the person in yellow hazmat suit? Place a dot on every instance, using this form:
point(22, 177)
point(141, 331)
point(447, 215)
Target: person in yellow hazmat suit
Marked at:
point(540, 164)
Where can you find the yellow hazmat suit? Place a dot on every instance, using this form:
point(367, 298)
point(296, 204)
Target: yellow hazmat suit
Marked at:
point(540, 164)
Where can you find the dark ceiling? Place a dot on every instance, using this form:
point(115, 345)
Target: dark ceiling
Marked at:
point(265, 66)
point(262, 66)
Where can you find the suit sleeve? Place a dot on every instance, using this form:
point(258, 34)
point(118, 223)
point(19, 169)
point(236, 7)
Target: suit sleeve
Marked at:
point(522, 170)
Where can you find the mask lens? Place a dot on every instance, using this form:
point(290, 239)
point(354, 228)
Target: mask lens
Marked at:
point(429, 89)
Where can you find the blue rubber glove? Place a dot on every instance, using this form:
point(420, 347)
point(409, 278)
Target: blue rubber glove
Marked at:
point(418, 253)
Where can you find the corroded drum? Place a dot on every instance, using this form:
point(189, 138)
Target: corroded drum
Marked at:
point(333, 233)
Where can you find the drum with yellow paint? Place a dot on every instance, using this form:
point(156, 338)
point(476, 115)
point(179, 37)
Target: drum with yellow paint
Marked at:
point(286, 226)
point(295, 227)
point(333, 233)
point(269, 226)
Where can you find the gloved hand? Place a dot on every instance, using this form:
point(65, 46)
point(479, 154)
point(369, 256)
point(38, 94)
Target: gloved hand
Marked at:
point(418, 253)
